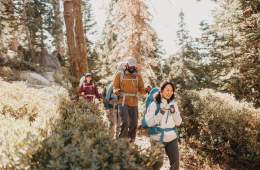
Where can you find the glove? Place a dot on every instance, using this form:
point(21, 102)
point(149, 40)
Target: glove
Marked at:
point(172, 109)
point(117, 92)
point(163, 110)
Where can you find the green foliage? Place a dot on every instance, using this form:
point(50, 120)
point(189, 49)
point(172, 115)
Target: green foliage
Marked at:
point(231, 46)
point(80, 140)
point(225, 128)
point(20, 112)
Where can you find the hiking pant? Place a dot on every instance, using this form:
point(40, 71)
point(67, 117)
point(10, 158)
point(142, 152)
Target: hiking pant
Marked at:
point(114, 121)
point(129, 120)
point(172, 151)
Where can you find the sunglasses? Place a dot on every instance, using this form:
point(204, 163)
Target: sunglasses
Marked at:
point(131, 67)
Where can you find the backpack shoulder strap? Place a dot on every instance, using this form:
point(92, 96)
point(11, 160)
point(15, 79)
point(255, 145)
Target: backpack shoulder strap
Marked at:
point(157, 108)
point(137, 79)
point(122, 75)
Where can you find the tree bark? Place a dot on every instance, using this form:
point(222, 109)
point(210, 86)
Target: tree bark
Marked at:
point(75, 38)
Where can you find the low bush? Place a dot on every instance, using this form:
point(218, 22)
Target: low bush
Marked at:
point(224, 127)
point(80, 140)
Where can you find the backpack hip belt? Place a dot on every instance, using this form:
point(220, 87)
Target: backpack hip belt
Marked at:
point(127, 94)
point(157, 130)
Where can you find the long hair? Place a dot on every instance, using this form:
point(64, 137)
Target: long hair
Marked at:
point(158, 98)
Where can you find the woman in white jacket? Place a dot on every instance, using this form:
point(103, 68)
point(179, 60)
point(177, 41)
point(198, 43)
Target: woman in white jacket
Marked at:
point(162, 117)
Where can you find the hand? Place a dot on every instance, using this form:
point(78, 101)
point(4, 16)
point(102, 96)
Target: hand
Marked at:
point(148, 89)
point(117, 92)
point(172, 109)
point(163, 110)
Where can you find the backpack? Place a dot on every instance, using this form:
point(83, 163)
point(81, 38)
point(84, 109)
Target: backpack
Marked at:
point(149, 99)
point(154, 130)
point(109, 95)
point(81, 81)
point(106, 96)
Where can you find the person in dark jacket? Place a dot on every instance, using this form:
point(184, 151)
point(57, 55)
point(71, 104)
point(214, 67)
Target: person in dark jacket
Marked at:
point(88, 89)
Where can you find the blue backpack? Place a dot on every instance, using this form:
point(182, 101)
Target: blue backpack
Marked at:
point(149, 99)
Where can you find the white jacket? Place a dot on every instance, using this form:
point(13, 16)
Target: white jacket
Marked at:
point(166, 120)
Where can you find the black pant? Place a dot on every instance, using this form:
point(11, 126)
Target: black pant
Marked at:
point(172, 152)
point(129, 120)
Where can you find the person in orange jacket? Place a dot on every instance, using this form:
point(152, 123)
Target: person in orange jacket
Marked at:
point(127, 85)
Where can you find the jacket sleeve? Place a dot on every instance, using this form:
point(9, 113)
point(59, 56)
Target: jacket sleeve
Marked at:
point(97, 93)
point(141, 85)
point(116, 83)
point(177, 116)
point(109, 92)
point(81, 89)
point(151, 118)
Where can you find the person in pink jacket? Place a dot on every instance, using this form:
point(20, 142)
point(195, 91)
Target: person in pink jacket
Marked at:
point(88, 89)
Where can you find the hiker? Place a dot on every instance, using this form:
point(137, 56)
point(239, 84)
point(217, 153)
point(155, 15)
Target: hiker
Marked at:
point(127, 85)
point(162, 117)
point(88, 89)
point(111, 108)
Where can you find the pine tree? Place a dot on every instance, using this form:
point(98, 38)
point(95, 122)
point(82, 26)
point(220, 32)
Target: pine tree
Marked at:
point(182, 33)
point(128, 33)
point(88, 21)
point(8, 23)
point(184, 67)
point(233, 48)
point(56, 23)
point(89, 30)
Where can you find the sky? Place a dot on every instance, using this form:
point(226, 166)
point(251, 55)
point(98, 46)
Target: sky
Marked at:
point(165, 18)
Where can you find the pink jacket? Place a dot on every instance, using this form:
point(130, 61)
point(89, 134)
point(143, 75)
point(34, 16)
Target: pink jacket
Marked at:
point(90, 91)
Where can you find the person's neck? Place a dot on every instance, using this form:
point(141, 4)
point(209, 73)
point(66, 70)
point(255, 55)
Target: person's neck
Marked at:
point(165, 100)
point(88, 82)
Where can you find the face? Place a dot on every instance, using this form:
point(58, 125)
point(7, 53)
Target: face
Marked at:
point(167, 92)
point(131, 69)
point(88, 79)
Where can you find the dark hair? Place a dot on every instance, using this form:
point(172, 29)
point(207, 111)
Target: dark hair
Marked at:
point(91, 81)
point(158, 98)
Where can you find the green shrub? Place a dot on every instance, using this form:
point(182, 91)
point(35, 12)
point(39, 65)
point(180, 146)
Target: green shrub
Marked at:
point(80, 140)
point(21, 112)
point(226, 128)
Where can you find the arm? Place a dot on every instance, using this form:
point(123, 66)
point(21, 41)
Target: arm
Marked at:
point(116, 84)
point(150, 117)
point(177, 116)
point(81, 90)
point(97, 93)
point(141, 89)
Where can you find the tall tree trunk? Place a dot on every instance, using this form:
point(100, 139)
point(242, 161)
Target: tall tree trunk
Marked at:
point(75, 38)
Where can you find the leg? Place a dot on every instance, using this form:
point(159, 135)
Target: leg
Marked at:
point(110, 118)
point(172, 152)
point(114, 121)
point(133, 121)
point(123, 110)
